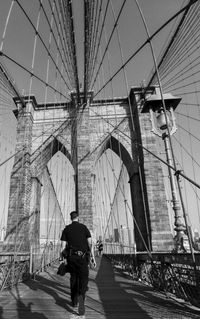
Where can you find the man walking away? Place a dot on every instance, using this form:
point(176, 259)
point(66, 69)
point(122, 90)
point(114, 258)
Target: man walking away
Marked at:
point(78, 244)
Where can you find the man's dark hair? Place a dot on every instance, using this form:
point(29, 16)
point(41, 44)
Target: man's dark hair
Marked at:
point(73, 215)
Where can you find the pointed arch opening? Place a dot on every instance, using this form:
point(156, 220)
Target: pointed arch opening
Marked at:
point(121, 216)
point(56, 197)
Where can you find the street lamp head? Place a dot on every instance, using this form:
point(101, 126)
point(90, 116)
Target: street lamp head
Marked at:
point(155, 102)
point(161, 111)
point(162, 120)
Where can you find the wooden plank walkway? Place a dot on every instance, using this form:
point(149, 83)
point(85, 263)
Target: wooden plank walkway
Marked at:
point(111, 296)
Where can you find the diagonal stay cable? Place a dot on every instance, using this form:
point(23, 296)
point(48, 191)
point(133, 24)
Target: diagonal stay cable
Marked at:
point(172, 40)
point(11, 83)
point(150, 152)
point(144, 44)
point(43, 133)
point(43, 43)
point(188, 153)
point(33, 74)
point(182, 44)
point(131, 212)
point(188, 116)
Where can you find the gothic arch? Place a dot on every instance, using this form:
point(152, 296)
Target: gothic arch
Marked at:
point(118, 148)
point(138, 194)
point(41, 158)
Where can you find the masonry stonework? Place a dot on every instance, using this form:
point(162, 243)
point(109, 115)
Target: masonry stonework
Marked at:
point(84, 169)
point(17, 235)
point(83, 134)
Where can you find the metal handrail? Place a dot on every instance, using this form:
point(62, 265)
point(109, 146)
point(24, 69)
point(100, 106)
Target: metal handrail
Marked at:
point(16, 267)
point(170, 273)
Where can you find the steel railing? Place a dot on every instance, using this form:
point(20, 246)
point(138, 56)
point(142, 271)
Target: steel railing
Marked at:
point(14, 268)
point(17, 267)
point(170, 273)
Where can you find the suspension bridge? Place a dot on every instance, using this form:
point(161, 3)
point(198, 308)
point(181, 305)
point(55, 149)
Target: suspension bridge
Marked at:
point(99, 110)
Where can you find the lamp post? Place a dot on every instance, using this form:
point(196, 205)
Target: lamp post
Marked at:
point(164, 124)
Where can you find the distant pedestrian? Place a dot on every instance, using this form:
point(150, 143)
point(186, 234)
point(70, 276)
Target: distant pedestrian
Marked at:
point(99, 246)
point(78, 244)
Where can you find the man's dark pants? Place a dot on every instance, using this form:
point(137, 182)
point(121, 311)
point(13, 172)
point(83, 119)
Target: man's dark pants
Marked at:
point(79, 276)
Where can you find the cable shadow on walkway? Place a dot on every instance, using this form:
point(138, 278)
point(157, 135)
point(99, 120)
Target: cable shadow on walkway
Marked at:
point(22, 309)
point(146, 302)
point(25, 311)
point(157, 298)
point(115, 300)
point(55, 287)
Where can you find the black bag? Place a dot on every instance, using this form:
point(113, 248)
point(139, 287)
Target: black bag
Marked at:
point(61, 269)
point(65, 252)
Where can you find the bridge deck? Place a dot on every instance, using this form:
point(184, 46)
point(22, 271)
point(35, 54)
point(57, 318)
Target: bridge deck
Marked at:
point(111, 295)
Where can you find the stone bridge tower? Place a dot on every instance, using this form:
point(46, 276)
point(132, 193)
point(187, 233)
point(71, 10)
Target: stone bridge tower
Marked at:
point(74, 134)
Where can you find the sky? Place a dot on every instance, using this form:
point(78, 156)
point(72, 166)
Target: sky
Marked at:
point(18, 44)
point(19, 39)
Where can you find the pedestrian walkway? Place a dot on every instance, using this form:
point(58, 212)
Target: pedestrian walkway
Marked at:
point(111, 295)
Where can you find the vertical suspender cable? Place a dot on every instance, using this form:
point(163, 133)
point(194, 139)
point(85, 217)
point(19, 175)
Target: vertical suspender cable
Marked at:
point(131, 114)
